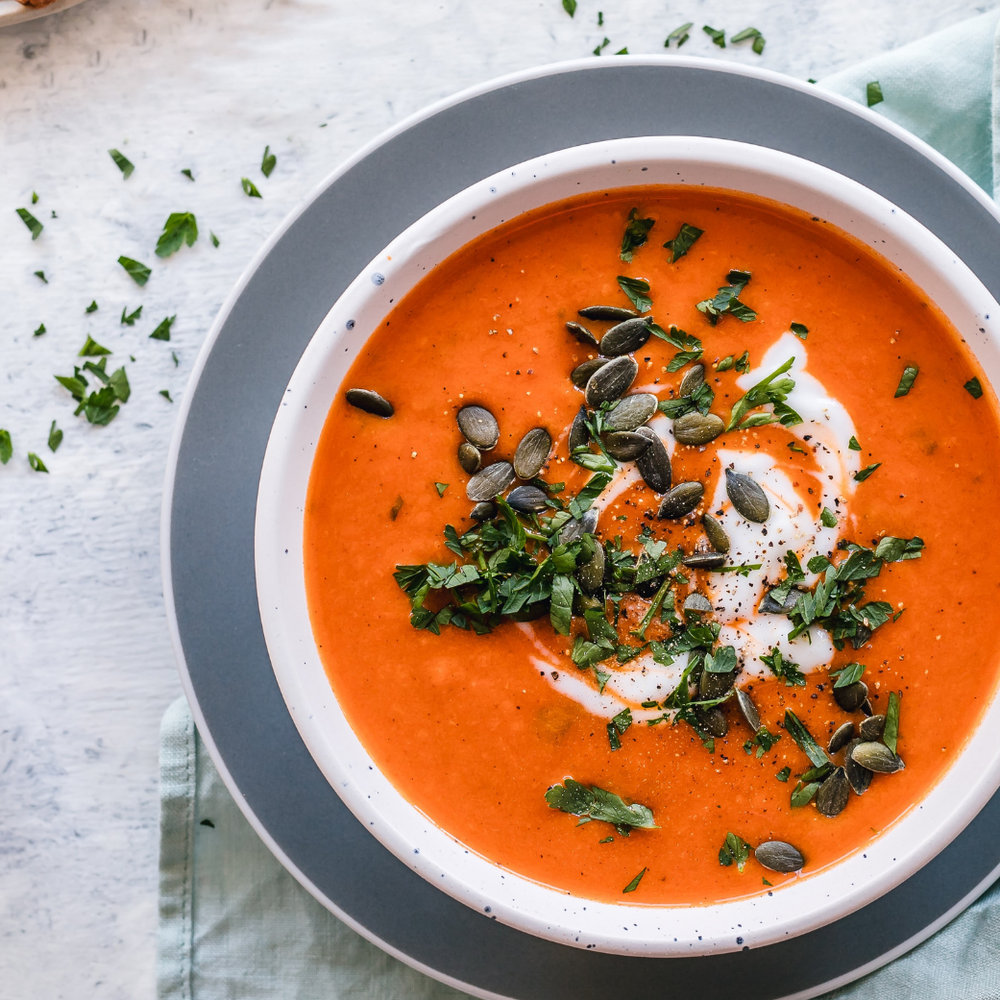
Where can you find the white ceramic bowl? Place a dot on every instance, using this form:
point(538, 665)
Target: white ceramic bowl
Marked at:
point(806, 904)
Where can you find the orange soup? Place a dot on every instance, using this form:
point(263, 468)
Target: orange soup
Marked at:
point(723, 613)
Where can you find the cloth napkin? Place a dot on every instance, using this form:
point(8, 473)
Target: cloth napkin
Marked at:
point(234, 925)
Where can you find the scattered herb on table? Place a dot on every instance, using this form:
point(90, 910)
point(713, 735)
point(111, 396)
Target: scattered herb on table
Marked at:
point(746, 34)
point(165, 393)
point(36, 463)
point(128, 319)
point(31, 222)
point(92, 349)
point(718, 35)
point(187, 173)
point(138, 272)
point(180, 228)
point(679, 35)
point(249, 188)
point(41, 274)
point(6, 446)
point(268, 162)
point(123, 164)
point(40, 330)
point(213, 238)
point(873, 91)
point(602, 46)
point(55, 437)
point(569, 6)
point(92, 307)
point(162, 332)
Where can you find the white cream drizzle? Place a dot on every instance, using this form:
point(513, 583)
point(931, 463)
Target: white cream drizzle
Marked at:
point(793, 525)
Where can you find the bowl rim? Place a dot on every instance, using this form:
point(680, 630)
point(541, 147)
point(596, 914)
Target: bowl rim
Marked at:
point(438, 863)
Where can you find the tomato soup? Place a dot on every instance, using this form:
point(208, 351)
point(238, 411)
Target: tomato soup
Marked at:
point(631, 689)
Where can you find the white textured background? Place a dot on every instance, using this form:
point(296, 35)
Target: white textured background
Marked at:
point(86, 668)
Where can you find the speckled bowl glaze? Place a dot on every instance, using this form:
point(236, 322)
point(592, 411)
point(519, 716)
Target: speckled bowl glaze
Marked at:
point(623, 928)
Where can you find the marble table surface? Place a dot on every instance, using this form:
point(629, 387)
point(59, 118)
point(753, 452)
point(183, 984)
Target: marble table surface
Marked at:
point(86, 666)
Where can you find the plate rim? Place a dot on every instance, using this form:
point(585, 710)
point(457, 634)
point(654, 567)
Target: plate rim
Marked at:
point(495, 84)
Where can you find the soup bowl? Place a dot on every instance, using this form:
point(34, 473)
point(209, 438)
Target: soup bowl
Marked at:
point(805, 904)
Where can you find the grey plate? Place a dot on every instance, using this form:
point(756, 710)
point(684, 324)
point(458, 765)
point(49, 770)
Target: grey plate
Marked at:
point(218, 449)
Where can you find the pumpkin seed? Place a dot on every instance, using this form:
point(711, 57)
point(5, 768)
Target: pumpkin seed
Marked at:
point(749, 709)
point(871, 729)
point(606, 313)
point(704, 560)
point(697, 602)
point(859, 777)
point(611, 381)
point(866, 708)
point(626, 337)
point(681, 500)
point(582, 334)
point(532, 452)
point(877, 757)
point(717, 536)
point(369, 401)
point(715, 685)
point(769, 606)
point(530, 612)
point(527, 499)
point(591, 574)
point(489, 482)
point(580, 375)
point(576, 529)
point(851, 698)
point(712, 721)
point(699, 428)
point(648, 588)
point(747, 497)
point(841, 737)
point(579, 436)
point(483, 511)
point(632, 412)
point(654, 463)
point(469, 457)
point(693, 378)
point(624, 446)
point(833, 793)
point(479, 426)
point(780, 857)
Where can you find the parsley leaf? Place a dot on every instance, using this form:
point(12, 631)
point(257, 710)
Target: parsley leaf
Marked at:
point(890, 734)
point(249, 188)
point(139, 273)
point(213, 238)
point(747, 33)
point(124, 165)
point(892, 549)
point(635, 235)
point(718, 35)
point(734, 849)
point(596, 803)
point(873, 91)
point(603, 45)
point(636, 289)
point(165, 393)
point(55, 437)
point(727, 300)
point(849, 674)
point(784, 669)
point(41, 329)
point(36, 463)
point(41, 274)
point(92, 307)
point(128, 319)
point(187, 173)
point(634, 884)
point(799, 329)
point(802, 736)
point(92, 349)
point(906, 380)
point(686, 238)
point(784, 774)
point(6, 446)
point(269, 162)
point(767, 390)
point(679, 35)
point(569, 6)
point(973, 387)
point(31, 222)
point(828, 518)
point(866, 472)
point(561, 606)
point(162, 332)
point(441, 487)
point(180, 228)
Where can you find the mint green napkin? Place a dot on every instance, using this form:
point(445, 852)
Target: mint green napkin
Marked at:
point(234, 925)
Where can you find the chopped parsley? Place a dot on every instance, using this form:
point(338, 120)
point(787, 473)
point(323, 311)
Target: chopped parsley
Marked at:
point(569, 6)
point(41, 274)
point(100, 406)
point(36, 463)
point(31, 222)
point(849, 674)
point(213, 238)
point(123, 164)
point(162, 332)
point(177, 360)
point(637, 291)
point(679, 35)
point(726, 300)
point(92, 349)
point(784, 669)
point(596, 803)
point(180, 228)
point(906, 380)
point(622, 51)
point(686, 238)
point(138, 272)
point(806, 743)
point(763, 739)
point(634, 884)
point(748, 33)
point(165, 393)
point(6, 446)
point(268, 162)
point(718, 35)
point(873, 91)
point(618, 726)
point(187, 173)
point(41, 329)
point(128, 319)
point(973, 387)
point(734, 849)
point(799, 329)
point(784, 774)
point(55, 437)
point(249, 188)
point(635, 235)
point(864, 473)
point(767, 391)
point(828, 518)
point(441, 487)
point(890, 734)
point(602, 46)
point(853, 444)
point(92, 307)
point(34, 197)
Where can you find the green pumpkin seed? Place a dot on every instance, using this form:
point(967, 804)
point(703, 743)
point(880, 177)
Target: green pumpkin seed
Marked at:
point(715, 685)
point(747, 497)
point(841, 737)
point(611, 381)
point(582, 334)
point(712, 721)
point(833, 794)
point(693, 378)
point(697, 602)
point(680, 500)
point(591, 574)
point(654, 463)
point(871, 729)
point(527, 499)
point(877, 757)
point(579, 436)
point(469, 457)
point(624, 446)
point(626, 337)
point(717, 536)
point(532, 452)
point(698, 428)
point(749, 709)
point(607, 313)
point(490, 482)
point(859, 777)
point(483, 511)
point(369, 401)
point(632, 412)
point(780, 857)
point(852, 697)
point(479, 426)
point(704, 560)
point(580, 375)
